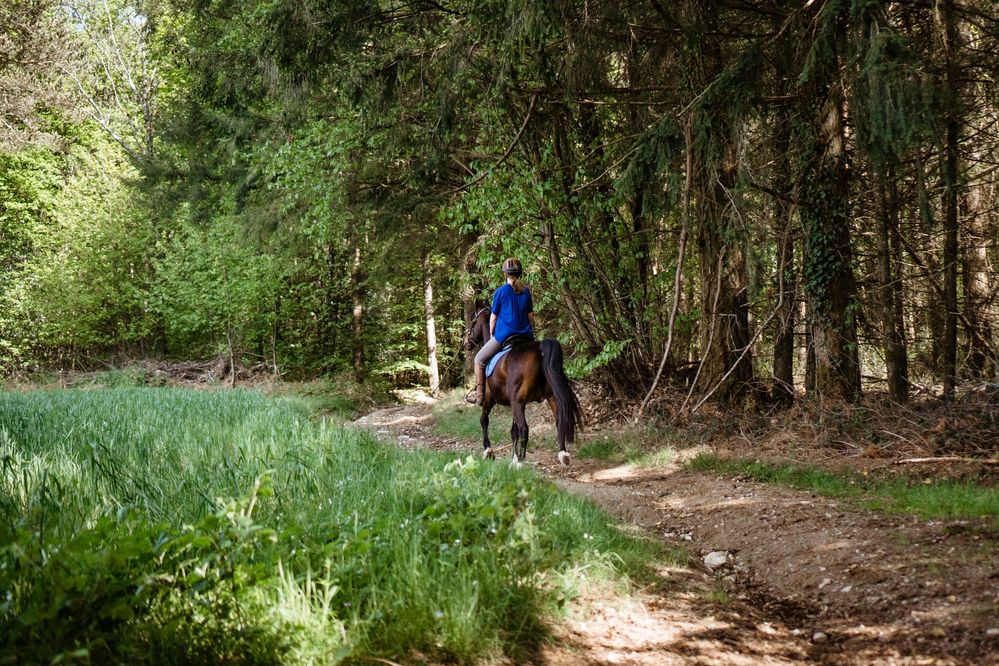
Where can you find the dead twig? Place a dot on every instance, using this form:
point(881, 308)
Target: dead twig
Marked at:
point(945, 459)
point(678, 278)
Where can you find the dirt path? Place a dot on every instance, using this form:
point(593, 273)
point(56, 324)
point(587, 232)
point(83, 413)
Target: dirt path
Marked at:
point(790, 577)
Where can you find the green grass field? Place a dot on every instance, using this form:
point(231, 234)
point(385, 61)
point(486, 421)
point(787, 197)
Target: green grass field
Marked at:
point(947, 499)
point(156, 525)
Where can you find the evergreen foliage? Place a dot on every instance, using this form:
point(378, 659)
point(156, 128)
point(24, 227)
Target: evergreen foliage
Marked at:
point(264, 180)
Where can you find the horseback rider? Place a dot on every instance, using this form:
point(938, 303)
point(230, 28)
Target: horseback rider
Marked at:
point(512, 314)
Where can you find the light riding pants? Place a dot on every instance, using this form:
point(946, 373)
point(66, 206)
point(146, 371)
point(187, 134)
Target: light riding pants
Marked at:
point(487, 352)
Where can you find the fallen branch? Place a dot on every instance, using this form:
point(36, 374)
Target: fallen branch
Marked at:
point(943, 459)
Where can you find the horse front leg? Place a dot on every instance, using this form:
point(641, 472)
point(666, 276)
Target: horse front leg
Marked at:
point(487, 447)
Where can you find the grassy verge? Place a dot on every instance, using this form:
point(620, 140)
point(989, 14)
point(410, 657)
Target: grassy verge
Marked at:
point(644, 446)
point(453, 417)
point(154, 525)
point(948, 499)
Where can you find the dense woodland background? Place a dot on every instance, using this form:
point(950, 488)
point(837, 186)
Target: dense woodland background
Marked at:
point(801, 194)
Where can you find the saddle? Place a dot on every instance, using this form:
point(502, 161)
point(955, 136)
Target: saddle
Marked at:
point(515, 340)
point(508, 344)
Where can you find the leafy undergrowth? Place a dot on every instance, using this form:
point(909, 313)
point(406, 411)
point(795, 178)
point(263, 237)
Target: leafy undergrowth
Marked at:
point(928, 499)
point(154, 525)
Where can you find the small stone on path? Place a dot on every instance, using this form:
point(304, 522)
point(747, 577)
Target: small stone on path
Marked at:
point(716, 558)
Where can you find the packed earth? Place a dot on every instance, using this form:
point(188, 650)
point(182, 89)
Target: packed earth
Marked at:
point(775, 575)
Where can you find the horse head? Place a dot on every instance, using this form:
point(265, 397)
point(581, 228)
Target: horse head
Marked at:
point(478, 330)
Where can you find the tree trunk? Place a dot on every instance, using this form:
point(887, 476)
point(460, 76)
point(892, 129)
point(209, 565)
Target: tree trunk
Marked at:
point(469, 304)
point(950, 199)
point(896, 359)
point(725, 322)
point(357, 277)
point(783, 366)
point(428, 311)
point(825, 213)
point(724, 280)
point(276, 337)
point(639, 294)
point(783, 361)
point(977, 287)
point(808, 350)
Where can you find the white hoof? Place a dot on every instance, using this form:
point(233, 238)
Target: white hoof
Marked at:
point(488, 454)
point(515, 461)
point(564, 458)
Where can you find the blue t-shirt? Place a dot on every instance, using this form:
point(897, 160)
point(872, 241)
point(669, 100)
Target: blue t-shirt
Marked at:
point(511, 310)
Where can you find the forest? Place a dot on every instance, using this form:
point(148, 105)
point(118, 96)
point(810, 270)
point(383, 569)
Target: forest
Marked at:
point(764, 199)
point(764, 227)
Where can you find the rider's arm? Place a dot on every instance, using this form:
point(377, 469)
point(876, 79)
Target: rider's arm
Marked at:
point(530, 319)
point(492, 324)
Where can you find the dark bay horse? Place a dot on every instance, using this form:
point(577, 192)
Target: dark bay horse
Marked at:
point(530, 372)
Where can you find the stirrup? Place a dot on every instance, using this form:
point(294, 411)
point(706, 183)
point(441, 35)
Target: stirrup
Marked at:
point(474, 396)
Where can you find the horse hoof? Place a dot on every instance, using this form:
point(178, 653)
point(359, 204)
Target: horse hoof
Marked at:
point(564, 458)
point(515, 461)
point(488, 454)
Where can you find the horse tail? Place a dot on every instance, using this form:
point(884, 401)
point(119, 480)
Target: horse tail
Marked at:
point(568, 412)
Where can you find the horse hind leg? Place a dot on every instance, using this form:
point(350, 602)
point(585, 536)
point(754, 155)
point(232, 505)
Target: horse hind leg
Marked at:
point(515, 439)
point(519, 432)
point(563, 454)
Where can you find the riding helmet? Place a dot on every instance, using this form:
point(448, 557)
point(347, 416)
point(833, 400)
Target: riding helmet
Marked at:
point(513, 267)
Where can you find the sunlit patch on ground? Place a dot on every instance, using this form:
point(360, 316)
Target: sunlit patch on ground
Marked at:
point(807, 579)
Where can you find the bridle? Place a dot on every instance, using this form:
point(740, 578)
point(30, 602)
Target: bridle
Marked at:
point(467, 342)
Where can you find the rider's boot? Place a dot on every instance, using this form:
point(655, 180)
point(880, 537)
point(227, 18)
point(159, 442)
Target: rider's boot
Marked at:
point(477, 395)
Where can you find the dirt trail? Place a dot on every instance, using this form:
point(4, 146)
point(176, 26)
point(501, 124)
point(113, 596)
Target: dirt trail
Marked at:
point(795, 578)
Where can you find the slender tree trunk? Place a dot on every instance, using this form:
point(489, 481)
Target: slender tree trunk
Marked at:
point(950, 198)
point(357, 277)
point(232, 356)
point(637, 118)
point(783, 366)
point(275, 337)
point(809, 350)
point(428, 311)
point(783, 361)
point(468, 302)
point(902, 323)
point(927, 314)
point(977, 287)
point(332, 305)
point(896, 360)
